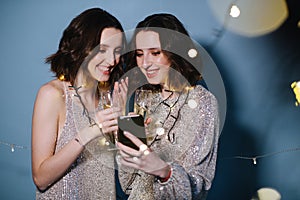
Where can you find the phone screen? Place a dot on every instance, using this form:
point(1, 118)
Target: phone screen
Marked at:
point(133, 124)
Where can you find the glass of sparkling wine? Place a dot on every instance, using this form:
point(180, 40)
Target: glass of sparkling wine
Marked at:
point(107, 102)
point(142, 101)
point(106, 99)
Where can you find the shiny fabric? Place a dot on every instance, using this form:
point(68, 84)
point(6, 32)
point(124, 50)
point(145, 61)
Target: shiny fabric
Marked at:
point(91, 176)
point(189, 144)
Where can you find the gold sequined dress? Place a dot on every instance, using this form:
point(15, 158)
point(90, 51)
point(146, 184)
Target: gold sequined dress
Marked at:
point(91, 176)
point(189, 144)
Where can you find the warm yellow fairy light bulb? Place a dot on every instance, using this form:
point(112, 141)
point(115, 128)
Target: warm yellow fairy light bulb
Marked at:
point(61, 77)
point(268, 193)
point(250, 18)
point(296, 88)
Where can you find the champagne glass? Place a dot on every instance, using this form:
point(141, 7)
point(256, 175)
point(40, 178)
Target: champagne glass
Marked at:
point(107, 102)
point(111, 100)
point(142, 101)
point(106, 99)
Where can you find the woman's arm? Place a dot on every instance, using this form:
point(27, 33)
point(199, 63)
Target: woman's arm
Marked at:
point(192, 175)
point(48, 166)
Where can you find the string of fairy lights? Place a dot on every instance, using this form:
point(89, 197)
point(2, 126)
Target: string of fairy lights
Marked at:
point(254, 159)
point(12, 147)
point(295, 86)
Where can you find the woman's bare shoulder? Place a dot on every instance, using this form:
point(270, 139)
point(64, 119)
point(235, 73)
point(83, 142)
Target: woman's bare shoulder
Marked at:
point(52, 90)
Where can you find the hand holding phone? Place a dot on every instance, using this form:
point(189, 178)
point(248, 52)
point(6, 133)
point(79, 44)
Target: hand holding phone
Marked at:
point(133, 124)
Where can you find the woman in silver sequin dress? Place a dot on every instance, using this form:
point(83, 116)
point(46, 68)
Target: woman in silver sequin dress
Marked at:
point(183, 121)
point(69, 124)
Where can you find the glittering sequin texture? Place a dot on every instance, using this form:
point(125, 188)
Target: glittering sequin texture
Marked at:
point(191, 151)
point(92, 175)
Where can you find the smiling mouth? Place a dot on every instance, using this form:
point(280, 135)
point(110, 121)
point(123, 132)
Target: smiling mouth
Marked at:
point(151, 73)
point(104, 70)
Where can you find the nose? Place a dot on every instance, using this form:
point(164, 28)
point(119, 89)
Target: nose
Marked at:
point(146, 62)
point(110, 58)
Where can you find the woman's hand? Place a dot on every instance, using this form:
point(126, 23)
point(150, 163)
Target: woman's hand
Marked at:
point(144, 159)
point(107, 119)
point(106, 123)
point(120, 94)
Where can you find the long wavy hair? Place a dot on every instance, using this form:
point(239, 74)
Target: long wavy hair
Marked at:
point(175, 44)
point(79, 39)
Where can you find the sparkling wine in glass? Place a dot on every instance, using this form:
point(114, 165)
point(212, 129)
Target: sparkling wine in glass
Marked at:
point(107, 102)
point(106, 99)
point(142, 101)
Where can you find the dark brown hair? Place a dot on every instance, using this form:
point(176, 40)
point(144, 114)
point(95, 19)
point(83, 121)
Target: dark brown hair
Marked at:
point(175, 44)
point(79, 39)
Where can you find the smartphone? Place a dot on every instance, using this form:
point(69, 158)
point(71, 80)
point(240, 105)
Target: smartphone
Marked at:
point(133, 124)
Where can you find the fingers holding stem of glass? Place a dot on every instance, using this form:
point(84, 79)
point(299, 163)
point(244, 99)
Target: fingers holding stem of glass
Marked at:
point(112, 107)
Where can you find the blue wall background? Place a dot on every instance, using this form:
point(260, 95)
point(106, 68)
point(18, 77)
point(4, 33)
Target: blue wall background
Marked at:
point(257, 72)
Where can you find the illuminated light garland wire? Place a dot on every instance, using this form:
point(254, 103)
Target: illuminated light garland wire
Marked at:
point(255, 158)
point(12, 146)
point(219, 32)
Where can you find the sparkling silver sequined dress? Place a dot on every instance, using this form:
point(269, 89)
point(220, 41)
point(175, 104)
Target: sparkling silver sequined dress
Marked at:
point(189, 144)
point(91, 176)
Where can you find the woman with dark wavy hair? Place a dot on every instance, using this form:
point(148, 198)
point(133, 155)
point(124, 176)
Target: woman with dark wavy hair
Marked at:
point(179, 159)
point(68, 112)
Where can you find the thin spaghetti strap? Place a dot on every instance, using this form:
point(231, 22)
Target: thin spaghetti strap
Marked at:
point(67, 94)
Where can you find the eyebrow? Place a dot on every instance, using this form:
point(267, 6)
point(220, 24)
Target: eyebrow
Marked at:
point(104, 45)
point(107, 46)
point(153, 48)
